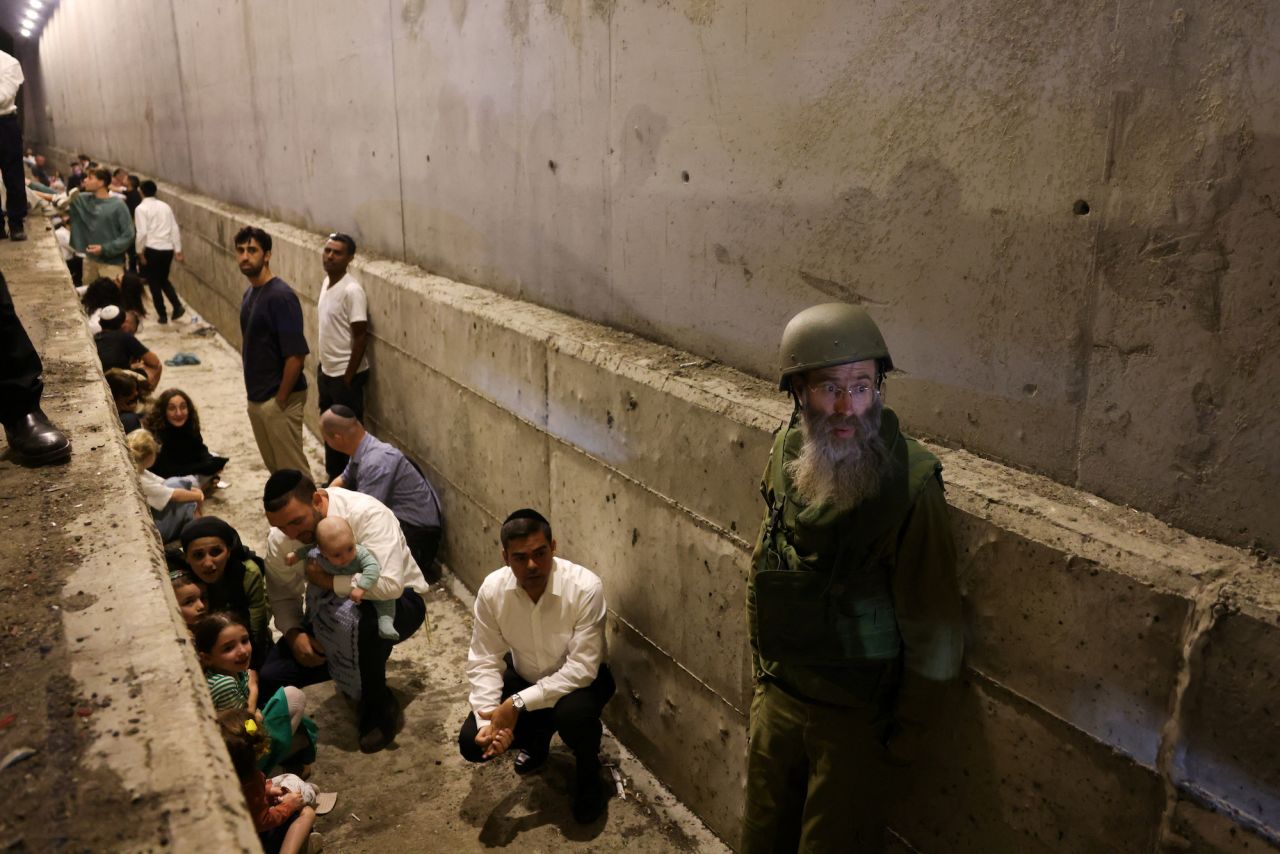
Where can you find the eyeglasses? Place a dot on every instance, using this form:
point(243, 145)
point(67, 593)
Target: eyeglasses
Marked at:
point(860, 395)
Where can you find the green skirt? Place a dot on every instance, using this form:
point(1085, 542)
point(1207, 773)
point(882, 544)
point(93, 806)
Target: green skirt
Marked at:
point(275, 716)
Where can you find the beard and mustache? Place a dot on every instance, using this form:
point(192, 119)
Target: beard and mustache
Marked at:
point(840, 472)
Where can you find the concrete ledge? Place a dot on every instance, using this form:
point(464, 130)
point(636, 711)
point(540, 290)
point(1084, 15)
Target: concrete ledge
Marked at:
point(1093, 629)
point(125, 704)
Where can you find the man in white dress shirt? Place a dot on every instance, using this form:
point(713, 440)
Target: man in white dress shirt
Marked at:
point(158, 242)
point(536, 663)
point(294, 506)
point(15, 183)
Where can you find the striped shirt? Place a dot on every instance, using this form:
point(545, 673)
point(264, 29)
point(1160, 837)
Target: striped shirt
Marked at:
point(229, 692)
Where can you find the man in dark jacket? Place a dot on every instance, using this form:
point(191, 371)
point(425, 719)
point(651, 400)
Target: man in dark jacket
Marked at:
point(853, 606)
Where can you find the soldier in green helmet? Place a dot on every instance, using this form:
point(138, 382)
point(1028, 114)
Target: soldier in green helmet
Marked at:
point(853, 607)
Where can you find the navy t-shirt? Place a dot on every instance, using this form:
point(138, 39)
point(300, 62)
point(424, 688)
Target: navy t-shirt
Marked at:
point(270, 331)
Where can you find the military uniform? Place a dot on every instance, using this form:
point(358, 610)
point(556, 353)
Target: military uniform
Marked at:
point(855, 627)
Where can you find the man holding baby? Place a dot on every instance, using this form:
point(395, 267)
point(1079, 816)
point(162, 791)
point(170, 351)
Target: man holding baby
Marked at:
point(348, 623)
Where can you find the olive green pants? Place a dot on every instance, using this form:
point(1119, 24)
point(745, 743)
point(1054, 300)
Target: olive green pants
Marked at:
point(816, 777)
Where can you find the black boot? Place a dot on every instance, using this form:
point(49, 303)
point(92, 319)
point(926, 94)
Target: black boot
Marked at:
point(37, 442)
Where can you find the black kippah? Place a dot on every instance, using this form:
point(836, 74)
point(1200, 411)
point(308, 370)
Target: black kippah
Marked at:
point(527, 513)
point(342, 411)
point(280, 483)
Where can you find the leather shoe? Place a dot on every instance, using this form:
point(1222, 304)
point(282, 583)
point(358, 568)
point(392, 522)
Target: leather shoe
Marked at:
point(18, 235)
point(37, 442)
point(384, 733)
point(527, 762)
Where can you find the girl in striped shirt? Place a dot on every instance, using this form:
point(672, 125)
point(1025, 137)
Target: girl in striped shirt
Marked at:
point(223, 646)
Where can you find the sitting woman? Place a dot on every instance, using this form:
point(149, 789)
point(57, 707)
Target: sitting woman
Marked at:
point(234, 577)
point(176, 424)
point(132, 289)
point(101, 293)
point(125, 391)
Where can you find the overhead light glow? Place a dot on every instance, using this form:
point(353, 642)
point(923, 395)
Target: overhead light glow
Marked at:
point(32, 15)
point(36, 4)
point(26, 34)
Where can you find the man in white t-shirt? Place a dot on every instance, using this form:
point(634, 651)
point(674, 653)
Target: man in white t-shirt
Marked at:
point(344, 335)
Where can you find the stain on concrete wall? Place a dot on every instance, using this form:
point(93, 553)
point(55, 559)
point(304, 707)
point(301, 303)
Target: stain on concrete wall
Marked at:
point(1062, 213)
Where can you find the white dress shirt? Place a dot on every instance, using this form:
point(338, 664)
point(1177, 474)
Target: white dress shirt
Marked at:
point(340, 306)
point(10, 81)
point(155, 226)
point(375, 527)
point(557, 644)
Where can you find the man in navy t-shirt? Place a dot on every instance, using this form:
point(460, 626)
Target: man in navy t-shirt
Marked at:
point(273, 348)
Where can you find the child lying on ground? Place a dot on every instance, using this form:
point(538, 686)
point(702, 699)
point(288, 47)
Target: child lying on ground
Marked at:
point(338, 553)
point(282, 818)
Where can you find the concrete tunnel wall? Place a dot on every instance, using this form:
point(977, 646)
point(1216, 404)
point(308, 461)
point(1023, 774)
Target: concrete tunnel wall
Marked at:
point(1062, 213)
point(1120, 673)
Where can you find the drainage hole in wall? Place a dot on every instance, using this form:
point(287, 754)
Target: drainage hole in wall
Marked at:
point(1080, 208)
point(551, 164)
point(684, 176)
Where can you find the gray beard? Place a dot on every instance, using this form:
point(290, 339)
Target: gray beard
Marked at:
point(840, 472)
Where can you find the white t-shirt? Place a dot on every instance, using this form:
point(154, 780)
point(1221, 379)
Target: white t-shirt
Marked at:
point(154, 490)
point(340, 306)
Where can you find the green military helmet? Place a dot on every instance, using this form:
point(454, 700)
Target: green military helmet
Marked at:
point(831, 334)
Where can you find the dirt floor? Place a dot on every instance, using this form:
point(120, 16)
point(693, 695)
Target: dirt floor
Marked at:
point(417, 795)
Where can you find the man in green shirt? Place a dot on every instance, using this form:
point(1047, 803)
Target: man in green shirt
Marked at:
point(853, 606)
point(101, 227)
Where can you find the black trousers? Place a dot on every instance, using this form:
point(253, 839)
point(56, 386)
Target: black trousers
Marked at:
point(423, 545)
point(15, 180)
point(333, 391)
point(20, 367)
point(377, 706)
point(156, 272)
point(575, 717)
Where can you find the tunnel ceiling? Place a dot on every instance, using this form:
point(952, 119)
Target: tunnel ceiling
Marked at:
point(14, 17)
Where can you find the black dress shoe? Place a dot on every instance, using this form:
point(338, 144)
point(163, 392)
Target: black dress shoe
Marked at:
point(37, 442)
point(377, 738)
point(527, 762)
point(179, 311)
point(17, 235)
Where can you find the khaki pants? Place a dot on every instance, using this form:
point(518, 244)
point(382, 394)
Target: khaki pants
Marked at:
point(279, 433)
point(94, 269)
point(816, 777)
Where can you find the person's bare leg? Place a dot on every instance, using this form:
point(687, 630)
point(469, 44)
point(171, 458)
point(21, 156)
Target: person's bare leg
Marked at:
point(295, 841)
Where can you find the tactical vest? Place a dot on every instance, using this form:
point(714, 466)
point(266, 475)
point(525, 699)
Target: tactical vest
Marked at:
point(833, 605)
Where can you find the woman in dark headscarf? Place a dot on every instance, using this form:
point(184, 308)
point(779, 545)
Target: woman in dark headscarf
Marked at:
point(234, 576)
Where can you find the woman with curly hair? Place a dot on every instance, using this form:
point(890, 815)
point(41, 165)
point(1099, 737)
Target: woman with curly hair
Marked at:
point(173, 420)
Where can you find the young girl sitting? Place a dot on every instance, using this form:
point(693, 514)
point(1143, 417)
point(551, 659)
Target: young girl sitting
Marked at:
point(173, 502)
point(186, 589)
point(223, 646)
point(282, 820)
point(174, 422)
